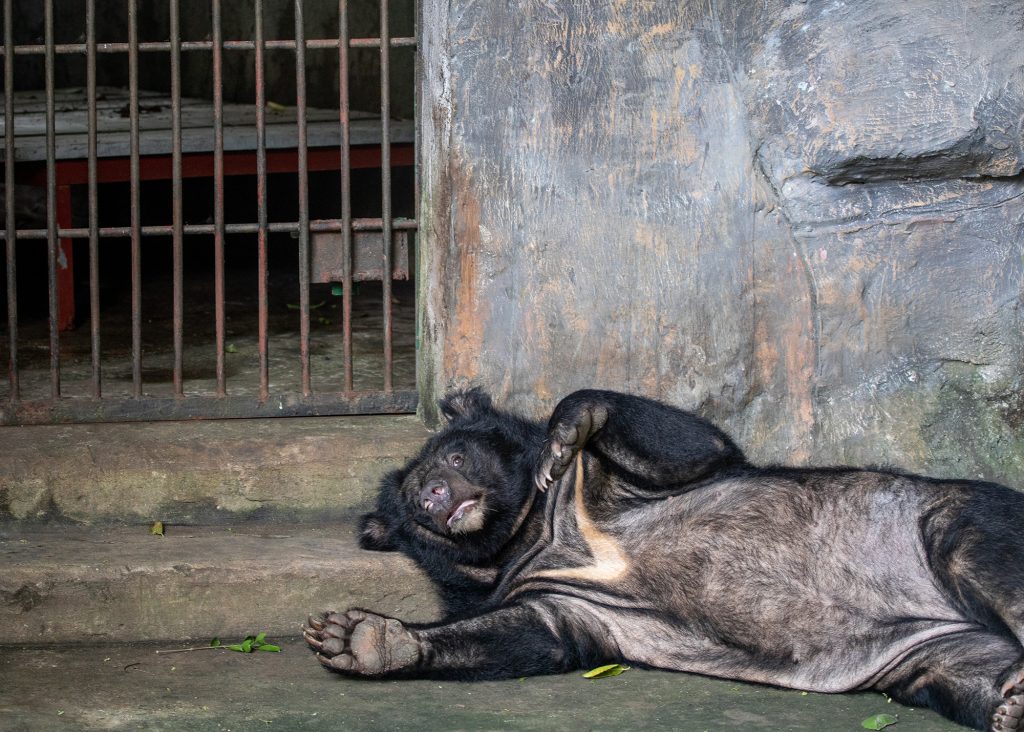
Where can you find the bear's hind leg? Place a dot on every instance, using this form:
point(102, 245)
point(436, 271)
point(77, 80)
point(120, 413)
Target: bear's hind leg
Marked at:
point(959, 676)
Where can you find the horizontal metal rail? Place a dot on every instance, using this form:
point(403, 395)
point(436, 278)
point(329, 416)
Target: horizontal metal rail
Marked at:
point(74, 409)
point(290, 227)
point(39, 49)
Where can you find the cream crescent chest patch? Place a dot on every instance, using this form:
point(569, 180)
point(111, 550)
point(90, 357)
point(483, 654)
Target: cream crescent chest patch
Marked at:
point(609, 561)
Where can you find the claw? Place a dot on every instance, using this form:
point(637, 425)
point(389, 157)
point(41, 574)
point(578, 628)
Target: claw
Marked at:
point(337, 663)
point(312, 640)
point(315, 624)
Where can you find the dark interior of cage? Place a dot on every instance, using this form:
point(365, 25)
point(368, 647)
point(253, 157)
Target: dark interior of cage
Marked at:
point(241, 272)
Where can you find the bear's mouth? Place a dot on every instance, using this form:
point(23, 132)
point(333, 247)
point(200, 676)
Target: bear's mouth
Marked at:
point(461, 510)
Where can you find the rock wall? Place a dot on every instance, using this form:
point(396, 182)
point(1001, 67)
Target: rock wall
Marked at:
point(804, 220)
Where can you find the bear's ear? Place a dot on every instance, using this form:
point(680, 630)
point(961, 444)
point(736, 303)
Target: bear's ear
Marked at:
point(375, 535)
point(465, 404)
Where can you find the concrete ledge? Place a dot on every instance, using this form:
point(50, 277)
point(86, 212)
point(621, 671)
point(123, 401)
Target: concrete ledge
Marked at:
point(202, 471)
point(80, 584)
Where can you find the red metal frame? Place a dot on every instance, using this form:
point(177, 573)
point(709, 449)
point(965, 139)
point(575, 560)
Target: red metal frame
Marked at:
point(194, 165)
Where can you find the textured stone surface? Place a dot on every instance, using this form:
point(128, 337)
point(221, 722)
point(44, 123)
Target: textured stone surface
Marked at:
point(804, 220)
point(202, 471)
point(130, 687)
point(87, 584)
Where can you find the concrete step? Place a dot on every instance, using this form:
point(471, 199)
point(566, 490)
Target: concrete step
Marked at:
point(73, 584)
point(202, 471)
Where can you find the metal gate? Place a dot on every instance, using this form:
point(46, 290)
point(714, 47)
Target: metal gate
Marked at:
point(176, 341)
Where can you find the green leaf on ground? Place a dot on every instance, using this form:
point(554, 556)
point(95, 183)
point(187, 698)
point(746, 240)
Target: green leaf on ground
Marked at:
point(215, 643)
point(604, 672)
point(269, 647)
point(157, 529)
point(231, 348)
point(879, 721)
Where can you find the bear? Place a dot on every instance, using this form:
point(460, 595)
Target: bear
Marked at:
point(627, 530)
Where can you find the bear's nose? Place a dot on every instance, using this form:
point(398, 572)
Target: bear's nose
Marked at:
point(434, 491)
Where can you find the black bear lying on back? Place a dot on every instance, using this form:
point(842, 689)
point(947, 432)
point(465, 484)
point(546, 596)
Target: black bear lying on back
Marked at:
point(632, 531)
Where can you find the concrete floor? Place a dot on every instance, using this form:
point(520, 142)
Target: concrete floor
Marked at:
point(131, 687)
point(241, 342)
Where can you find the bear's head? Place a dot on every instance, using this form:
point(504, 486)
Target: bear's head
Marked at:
point(467, 491)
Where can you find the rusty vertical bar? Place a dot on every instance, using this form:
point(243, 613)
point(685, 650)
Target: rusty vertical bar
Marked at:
point(417, 86)
point(303, 193)
point(53, 243)
point(261, 205)
point(218, 187)
point(136, 221)
point(12, 229)
point(385, 185)
point(176, 214)
point(346, 192)
point(94, 232)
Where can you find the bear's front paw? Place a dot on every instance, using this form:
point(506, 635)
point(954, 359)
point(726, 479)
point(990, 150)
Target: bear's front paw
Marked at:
point(362, 643)
point(571, 427)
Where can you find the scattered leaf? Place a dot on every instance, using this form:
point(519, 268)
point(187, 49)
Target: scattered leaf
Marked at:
point(248, 645)
point(157, 529)
point(291, 306)
point(879, 721)
point(276, 106)
point(231, 348)
point(603, 672)
point(324, 321)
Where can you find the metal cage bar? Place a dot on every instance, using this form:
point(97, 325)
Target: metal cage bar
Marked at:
point(93, 386)
point(218, 188)
point(261, 202)
point(385, 185)
point(53, 243)
point(93, 193)
point(344, 119)
point(134, 183)
point(10, 235)
point(303, 193)
point(176, 212)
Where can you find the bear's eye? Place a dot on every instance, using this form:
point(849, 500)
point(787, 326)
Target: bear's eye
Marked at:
point(456, 461)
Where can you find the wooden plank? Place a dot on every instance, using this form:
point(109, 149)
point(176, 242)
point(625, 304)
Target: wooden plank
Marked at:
point(155, 124)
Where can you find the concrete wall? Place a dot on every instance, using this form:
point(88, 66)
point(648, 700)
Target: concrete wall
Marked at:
point(801, 219)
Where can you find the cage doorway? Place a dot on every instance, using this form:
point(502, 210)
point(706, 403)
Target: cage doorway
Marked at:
point(209, 209)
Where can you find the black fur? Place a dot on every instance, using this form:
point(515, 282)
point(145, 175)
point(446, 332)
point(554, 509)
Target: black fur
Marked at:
point(627, 530)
